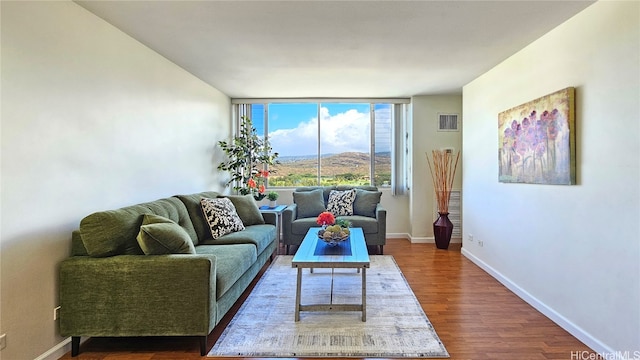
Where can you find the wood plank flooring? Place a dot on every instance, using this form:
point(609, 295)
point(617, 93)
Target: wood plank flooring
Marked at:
point(474, 315)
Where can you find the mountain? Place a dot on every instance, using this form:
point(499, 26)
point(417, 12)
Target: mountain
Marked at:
point(355, 163)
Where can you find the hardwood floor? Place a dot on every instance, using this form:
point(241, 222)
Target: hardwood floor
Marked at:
point(474, 315)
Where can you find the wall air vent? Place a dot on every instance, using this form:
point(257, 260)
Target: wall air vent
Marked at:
point(448, 122)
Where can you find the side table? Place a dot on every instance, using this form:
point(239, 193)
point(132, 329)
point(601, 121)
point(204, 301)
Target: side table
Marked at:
point(278, 211)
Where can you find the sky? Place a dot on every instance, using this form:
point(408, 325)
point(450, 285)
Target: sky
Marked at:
point(293, 128)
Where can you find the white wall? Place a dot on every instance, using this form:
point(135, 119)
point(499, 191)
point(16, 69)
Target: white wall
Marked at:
point(425, 137)
point(571, 251)
point(91, 120)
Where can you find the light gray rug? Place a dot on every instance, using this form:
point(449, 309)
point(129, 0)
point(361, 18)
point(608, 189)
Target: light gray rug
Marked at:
point(396, 326)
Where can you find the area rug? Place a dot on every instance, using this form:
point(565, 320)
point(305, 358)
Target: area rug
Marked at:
point(396, 326)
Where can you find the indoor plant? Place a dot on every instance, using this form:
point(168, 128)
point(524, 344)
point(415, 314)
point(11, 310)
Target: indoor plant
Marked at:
point(249, 157)
point(443, 172)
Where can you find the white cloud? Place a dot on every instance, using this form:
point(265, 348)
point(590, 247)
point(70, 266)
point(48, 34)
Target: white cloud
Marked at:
point(343, 132)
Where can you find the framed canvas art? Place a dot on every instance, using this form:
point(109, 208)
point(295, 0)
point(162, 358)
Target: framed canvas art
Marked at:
point(537, 141)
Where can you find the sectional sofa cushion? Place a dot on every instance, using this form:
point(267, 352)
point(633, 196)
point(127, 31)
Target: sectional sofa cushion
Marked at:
point(114, 232)
point(340, 203)
point(366, 202)
point(77, 247)
point(326, 190)
point(309, 203)
point(194, 209)
point(369, 225)
point(173, 209)
point(349, 187)
point(247, 209)
point(260, 235)
point(221, 216)
point(232, 261)
point(159, 235)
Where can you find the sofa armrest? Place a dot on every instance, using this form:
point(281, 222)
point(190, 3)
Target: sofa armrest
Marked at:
point(270, 218)
point(288, 217)
point(289, 214)
point(138, 295)
point(381, 216)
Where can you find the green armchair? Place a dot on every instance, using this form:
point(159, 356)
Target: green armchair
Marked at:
point(309, 202)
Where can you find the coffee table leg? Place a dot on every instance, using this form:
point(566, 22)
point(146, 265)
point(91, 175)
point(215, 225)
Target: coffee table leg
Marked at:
point(364, 294)
point(298, 285)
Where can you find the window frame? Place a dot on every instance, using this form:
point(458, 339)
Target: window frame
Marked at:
point(400, 109)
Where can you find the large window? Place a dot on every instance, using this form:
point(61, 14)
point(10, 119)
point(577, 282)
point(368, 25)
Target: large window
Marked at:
point(328, 142)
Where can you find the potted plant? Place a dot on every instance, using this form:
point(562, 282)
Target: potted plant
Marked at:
point(273, 197)
point(249, 158)
point(443, 172)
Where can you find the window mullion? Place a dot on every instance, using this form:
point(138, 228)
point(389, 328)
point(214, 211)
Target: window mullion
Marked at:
point(319, 179)
point(265, 124)
point(372, 141)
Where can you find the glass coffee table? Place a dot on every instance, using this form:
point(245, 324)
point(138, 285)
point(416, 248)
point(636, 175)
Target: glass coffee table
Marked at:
point(315, 253)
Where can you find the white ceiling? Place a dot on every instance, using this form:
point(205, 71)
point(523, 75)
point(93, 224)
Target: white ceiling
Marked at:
point(268, 49)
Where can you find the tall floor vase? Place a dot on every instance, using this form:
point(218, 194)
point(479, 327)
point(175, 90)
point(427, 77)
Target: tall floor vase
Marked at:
point(442, 230)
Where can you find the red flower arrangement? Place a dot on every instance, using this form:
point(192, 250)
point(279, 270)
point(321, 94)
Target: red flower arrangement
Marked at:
point(333, 231)
point(326, 218)
point(255, 185)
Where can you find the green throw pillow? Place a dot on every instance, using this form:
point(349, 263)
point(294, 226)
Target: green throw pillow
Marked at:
point(309, 203)
point(159, 235)
point(247, 209)
point(366, 202)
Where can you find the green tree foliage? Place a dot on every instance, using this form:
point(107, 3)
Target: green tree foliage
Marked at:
point(249, 157)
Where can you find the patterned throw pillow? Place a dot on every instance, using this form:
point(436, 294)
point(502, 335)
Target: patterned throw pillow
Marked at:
point(221, 216)
point(341, 202)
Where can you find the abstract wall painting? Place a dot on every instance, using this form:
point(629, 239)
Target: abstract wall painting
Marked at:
point(537, 141)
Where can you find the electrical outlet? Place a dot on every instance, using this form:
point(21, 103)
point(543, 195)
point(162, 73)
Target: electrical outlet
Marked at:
point(480, 243)
point(470, 238)
point(3, 341)
point(56, 313)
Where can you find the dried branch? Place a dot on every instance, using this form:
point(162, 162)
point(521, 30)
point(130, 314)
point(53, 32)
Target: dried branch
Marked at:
point(443, 173)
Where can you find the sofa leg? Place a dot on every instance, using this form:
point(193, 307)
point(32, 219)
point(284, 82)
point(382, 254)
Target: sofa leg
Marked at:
point(381, 249)
point(287, 250)
point(75, 345)
point(203, 345)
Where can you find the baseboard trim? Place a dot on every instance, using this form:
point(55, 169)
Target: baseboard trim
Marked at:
point(57, 351)
point(579, 333)
point(419, 239)
point(398, 236)
point(431, 240)
point(422, 240)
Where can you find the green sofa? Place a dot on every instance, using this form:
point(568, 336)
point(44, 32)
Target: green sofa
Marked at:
point(109, 287)
point(309, 202)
